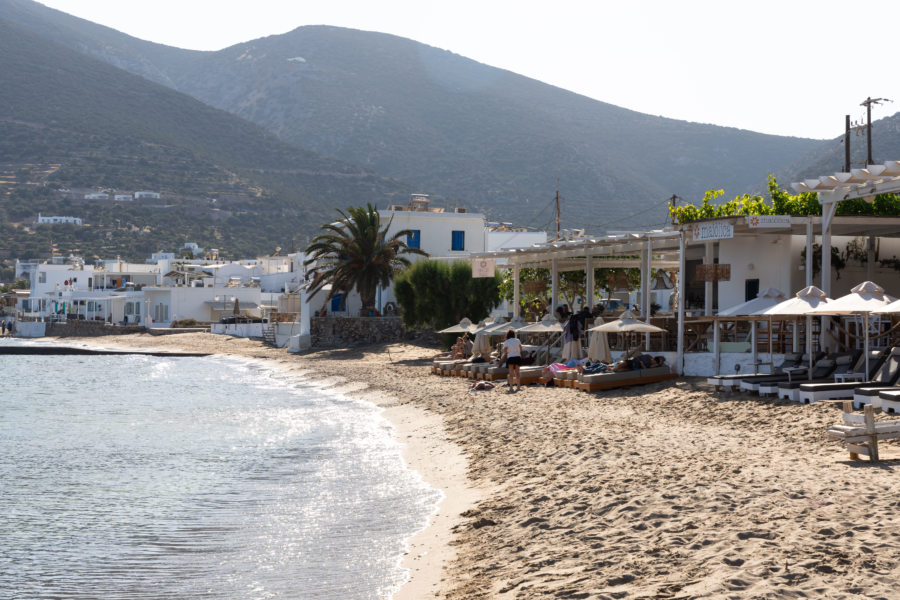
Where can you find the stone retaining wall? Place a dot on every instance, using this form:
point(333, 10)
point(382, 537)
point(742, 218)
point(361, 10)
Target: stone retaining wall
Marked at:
point(78, 328)
point(331, 332)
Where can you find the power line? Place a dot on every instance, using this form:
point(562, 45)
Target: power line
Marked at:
point(654, 206)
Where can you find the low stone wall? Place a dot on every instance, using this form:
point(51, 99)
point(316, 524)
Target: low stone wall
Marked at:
point(331, 332)
point(77, 328)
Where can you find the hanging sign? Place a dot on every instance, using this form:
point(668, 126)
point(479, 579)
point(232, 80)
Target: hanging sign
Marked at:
point(755, 221)
point(713, 272)
point(482, 267)
point(712, 230)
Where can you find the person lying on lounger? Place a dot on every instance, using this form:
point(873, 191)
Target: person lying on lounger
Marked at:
point(643, 361)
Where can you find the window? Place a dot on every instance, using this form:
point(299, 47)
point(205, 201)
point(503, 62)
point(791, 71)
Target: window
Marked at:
point(42, 277)
point(458, 240)
point(336, 301)
point(414, 238)
point(751, 289)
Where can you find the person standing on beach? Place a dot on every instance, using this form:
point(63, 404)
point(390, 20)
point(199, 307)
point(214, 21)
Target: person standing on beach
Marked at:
point(512, 351)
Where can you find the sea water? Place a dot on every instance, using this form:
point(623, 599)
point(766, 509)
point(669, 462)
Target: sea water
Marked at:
point(140, 477)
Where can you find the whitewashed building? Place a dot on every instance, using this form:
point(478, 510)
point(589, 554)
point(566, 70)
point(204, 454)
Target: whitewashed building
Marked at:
point(42, 220)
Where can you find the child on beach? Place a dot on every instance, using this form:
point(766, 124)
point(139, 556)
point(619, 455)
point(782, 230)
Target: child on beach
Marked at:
point(512, 352)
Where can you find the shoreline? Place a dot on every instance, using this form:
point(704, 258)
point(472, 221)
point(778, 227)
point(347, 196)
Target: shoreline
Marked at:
point(424, 445)
point(667, 490)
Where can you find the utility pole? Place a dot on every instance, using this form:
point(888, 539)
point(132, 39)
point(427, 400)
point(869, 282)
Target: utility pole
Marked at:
point(557, 208)
point(846, 143)
point(868, 102)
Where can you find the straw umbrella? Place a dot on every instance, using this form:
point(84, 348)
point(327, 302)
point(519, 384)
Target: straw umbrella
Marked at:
point(862, 300)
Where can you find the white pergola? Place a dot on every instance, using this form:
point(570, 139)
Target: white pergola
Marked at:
point(647, 250)
point(832, 189)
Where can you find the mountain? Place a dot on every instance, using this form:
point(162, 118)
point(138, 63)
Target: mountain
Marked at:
point(829, 157)
point(463, 131)
point(71, 122)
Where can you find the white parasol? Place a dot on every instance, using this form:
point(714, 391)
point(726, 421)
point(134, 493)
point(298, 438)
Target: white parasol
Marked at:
point(598, 349)
point(627, 324)
point(464, 326)
point(863, 299)
point(802, 303)
point(549, 324)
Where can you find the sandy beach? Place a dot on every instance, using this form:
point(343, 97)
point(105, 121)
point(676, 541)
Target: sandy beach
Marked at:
point(670, 490)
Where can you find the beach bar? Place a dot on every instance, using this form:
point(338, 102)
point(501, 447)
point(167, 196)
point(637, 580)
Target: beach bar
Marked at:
point(726, 263)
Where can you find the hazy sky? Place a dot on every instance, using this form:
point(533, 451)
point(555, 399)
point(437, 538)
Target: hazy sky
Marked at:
point(787, 67)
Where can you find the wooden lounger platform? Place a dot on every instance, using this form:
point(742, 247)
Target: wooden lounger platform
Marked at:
point(605, 381)
point(860, 433)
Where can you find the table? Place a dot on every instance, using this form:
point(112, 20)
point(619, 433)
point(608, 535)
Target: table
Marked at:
point(845, 377)
point(791, 370)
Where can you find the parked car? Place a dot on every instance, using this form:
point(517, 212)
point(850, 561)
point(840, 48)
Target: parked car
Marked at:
point(612, 305)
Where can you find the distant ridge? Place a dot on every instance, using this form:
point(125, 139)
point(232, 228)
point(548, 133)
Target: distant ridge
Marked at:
point(69, 121)
point(463, 131)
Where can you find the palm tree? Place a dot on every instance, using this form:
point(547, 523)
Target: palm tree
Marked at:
point(355, 252)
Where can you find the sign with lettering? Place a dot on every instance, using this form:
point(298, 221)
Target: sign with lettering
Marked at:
point(712, 230)
point(482, 267)
point(755, 221)
point(713, 272)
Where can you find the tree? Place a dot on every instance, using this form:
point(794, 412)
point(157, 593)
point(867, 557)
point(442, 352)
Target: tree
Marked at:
point(356, 252)
point(437, 294)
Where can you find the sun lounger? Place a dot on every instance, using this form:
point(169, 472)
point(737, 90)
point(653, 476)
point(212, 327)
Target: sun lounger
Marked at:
point(603, 381)
point(844, 363)
point(751, 383)
point(890, 400)
point(531, 374)
point(791, 359)
point(869, 393)
point(881, 371)
point(821, 372)
point(565, 378)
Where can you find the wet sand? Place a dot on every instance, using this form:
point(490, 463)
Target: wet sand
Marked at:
point(670, 490)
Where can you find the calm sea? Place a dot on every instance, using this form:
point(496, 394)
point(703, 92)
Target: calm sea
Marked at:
point(138, 477)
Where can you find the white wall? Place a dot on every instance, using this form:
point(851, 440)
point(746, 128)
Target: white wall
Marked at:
point(501, 240)
point(766, 257)
point(436, 230)
point(191, 303)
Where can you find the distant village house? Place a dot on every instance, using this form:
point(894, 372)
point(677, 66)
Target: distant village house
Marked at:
point(41, 220)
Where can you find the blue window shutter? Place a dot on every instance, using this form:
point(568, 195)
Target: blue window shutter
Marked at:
point(458, 240)
point(414, 238)
point(336, 301)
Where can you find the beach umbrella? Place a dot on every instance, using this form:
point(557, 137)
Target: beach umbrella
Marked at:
point(802, 303)
point(627, 324)
point(571, 350)
point(598, 349)
point(482, 345)
point(237, 307)
point(862, 300)
point(464, 326)
point(548, 324)
point(768, 298)
point(501, 327)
